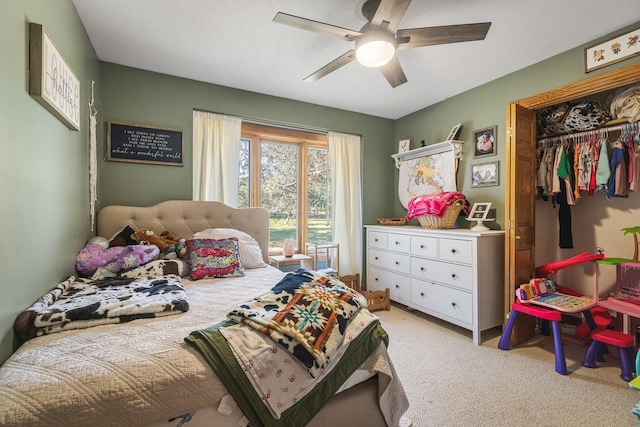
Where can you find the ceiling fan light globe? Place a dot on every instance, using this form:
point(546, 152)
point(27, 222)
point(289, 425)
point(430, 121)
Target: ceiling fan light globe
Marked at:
point(375, 53)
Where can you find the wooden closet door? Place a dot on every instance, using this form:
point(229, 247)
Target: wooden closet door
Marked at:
point(520, 211)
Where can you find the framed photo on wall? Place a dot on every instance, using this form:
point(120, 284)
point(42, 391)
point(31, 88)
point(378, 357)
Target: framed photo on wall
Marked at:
point(485, 142)
point(485, 174)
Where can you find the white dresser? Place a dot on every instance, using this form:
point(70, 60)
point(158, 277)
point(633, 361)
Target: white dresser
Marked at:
point(455, 275)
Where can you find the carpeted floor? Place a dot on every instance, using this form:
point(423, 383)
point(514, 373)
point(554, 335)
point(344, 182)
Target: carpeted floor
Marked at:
point(451, 382)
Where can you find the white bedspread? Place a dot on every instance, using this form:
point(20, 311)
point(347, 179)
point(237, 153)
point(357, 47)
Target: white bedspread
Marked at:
point(144, 368)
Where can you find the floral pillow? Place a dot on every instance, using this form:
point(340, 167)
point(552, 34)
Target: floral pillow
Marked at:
point(250, 252)
point(214, 258)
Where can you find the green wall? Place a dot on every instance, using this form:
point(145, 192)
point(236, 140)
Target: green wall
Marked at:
point(136, 96)
point(44, 189)
point(485, 106)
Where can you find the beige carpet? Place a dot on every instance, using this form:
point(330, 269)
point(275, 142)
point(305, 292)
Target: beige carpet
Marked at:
point(451, 382)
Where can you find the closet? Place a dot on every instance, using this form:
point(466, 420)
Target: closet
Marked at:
point(520, 183)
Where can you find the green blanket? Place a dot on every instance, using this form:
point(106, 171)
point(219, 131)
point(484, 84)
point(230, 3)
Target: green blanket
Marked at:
point(217, 353)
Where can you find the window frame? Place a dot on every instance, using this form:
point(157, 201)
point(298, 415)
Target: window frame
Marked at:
point(304, 139)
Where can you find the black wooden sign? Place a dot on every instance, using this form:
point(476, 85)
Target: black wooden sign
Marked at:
point(144, 144)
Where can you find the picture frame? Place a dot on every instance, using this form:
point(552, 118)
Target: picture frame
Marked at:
point(485, 174)
point(52, 82)
point(403, 145)
point(454, 132)
point(485, 142)
point(136, 143)
point(479, 211)
point(611, 51)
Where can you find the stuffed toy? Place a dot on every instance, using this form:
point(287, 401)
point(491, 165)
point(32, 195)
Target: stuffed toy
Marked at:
point(98, 257)
point(166, 242)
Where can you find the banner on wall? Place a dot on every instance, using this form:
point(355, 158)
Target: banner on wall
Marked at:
point(426, 175)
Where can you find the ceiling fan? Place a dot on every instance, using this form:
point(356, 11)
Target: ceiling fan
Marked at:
point(379, 38)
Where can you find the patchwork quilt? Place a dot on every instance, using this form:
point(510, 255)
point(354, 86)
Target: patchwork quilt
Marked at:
point(306, 318)
point(82, 303)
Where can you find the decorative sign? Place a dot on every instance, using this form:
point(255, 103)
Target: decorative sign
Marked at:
point(144, 144)
point(51, 81)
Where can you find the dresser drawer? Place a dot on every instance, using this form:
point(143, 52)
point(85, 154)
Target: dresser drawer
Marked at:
point(398, 242)
point(455, 250)
point(377, 240)
point(398, 284)
point(424, 246)
point(460, 276)
point(390, 260)
point(453, 303)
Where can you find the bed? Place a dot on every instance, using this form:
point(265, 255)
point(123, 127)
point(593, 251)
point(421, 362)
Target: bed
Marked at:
point(144, 373)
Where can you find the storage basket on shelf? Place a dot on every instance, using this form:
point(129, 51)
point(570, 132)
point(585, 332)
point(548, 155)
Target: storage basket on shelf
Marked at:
point(447, 220)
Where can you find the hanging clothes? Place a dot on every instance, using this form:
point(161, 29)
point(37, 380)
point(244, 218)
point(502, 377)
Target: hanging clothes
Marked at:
point(565, 173)
point(603, 172)
point(617, 164)
point(571, 164)
point(634, 162)
point(576, 170)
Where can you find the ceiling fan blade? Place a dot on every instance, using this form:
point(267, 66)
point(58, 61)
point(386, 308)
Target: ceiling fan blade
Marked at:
point(430, 36)
point(332, 66)
point(392, 71)
point(390, 12)
point(315, 26)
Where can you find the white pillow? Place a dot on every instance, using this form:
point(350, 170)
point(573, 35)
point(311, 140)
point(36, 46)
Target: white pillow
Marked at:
point(250, 252)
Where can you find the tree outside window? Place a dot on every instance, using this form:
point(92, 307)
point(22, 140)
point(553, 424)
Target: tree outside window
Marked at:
point(287, 173)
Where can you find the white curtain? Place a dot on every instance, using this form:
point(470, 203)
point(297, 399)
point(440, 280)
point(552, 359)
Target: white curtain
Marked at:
point(216, 153)
point(344, 162)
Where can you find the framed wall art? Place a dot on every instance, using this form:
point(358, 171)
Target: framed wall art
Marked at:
point(612, 51)
point(403, 145)
point(485, 174)
point(52, 82)
point(454, 132)
point(144, 144)
point(484, 142)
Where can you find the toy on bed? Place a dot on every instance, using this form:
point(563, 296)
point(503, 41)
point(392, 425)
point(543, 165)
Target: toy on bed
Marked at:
point(97, 258)
point(166, 241)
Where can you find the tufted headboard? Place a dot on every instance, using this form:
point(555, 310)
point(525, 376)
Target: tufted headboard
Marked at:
point(185, 217)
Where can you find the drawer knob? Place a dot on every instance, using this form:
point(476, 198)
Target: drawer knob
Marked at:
point(397, 263)
point(397, 243)
point(397, 286)
point(453, 304)
point(453, 251)
point(421, 246)
point(375, 240)
point(453, 275)
point(376, 279)
point(421, 294)
point(376, 258)
point(421, 268)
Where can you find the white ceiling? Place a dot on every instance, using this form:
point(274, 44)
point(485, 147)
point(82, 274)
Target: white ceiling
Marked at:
point(235, 43)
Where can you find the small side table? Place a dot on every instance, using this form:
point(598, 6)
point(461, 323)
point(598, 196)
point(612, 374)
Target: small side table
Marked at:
point(305, 261)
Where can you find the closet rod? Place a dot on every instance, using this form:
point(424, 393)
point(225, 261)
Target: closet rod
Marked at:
point(634, 125)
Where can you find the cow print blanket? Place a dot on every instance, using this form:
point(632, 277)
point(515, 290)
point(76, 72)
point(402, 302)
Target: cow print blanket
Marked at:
point(83, 303)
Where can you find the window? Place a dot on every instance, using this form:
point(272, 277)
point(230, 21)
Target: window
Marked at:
point(287, 173)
